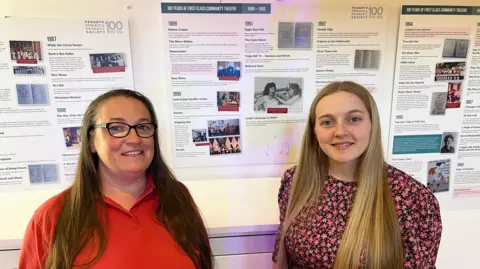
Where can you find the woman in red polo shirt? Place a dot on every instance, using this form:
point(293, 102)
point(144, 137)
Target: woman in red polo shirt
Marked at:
point(125, 209)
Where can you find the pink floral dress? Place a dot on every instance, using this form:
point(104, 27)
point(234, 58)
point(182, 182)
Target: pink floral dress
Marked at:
point(314, 237)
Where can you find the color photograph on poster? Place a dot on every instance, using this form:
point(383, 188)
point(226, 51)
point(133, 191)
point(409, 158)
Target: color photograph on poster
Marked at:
point(107, 62)
point(228, 127)
point(228, 101)
point(454, 94)
point(225, 145)
point(446, 71)
point(278, 94)
point(25, 52)
point(73, 137)
point(228, 70)
point(438, 178)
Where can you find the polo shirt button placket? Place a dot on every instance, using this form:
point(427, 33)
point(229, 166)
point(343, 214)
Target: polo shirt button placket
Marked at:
point(135, 225)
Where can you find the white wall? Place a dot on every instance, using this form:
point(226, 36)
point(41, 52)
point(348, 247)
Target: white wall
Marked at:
point(224, 203)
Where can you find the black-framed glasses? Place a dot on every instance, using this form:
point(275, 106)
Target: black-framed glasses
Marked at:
point(121, 129)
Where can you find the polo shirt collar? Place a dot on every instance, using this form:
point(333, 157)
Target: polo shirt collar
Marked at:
point(149, 189)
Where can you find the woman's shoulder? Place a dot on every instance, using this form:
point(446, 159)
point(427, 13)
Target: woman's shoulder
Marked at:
point(47, 213)
point(287, 177)
point(286, 183)
point(410, 192)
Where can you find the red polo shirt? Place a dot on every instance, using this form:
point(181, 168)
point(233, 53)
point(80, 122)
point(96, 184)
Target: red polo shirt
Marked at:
point(134, 238)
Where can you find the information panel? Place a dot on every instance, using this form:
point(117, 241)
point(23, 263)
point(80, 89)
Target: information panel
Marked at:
point(241, 77)
point(435, 126)
point(48, 76)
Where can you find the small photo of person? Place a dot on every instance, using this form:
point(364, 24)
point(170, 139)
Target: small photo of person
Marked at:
point(228, 70)
point(107, 62)
point(278, 93)
point(454, 94)
point(73, 137)
point(199, 135)
point(438, 105)
point(448, 142)
point(225, 145)
point(438, 177)
point(25, 52)
point(228, 101)
point(228, 127)
point(447, 71)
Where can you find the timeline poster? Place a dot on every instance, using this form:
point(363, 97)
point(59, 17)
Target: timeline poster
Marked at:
point(435, 126)
point(50, 70)
point(242, 77)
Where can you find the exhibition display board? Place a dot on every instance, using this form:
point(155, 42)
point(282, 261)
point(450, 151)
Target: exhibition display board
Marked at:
point(48, 76)
point(435, 124)
point(238, 94)
point(241, 79)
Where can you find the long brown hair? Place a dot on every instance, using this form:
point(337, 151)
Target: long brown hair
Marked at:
point(80, 224)
point(373, 223)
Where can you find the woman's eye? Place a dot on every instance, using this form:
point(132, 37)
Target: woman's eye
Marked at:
point(356, 119)
point(326, 123)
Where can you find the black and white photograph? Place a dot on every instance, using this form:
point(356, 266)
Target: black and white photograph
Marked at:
point(295, 35)
point(199, 135)
point(448, 71)
point(29, 70)
point(107, 62)
point(225, 145)
point(278, 93)
point(449, 141)
point(228, 127)
point(43, 173)
point(438, 177)
point(438, 105)
point(367, 59)
point(455, 48)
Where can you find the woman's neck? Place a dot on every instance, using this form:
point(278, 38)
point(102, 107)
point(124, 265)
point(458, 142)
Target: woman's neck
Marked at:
point(123, 190)
point(343, 171)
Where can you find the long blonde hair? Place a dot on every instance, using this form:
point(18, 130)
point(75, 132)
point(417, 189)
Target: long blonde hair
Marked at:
point(373, 223)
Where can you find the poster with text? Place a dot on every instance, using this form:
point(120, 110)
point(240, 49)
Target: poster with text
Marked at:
point(50, 70)
point(241, 78)
point(435, 125)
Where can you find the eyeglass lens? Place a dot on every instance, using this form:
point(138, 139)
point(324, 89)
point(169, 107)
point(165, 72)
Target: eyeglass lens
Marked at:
point(122, 129)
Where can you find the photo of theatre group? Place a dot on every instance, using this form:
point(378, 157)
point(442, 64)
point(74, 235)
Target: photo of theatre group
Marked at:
point(27, 55)
point(222, 136)
point(452, 73)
